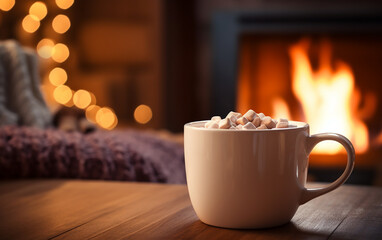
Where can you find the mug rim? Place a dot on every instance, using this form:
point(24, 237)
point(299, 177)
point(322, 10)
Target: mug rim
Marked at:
point(198, 125)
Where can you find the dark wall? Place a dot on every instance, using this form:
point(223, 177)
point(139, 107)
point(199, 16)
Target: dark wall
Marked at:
point(181, 101)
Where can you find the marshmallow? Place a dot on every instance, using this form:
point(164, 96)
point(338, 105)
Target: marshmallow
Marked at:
point(282, 125)
point(225, 123)
point(242, 121)
point(237, 115)
point(256, 121)
point(233, 119)
point(250, 120)
point(250, 115)
point(216, 118)
point(211, 124)
point(261, 115)
point(268, 122)
point(249, 125)
point(262, 126)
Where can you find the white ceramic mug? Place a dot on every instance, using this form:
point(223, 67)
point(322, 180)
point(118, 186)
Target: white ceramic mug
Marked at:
point(252, 178)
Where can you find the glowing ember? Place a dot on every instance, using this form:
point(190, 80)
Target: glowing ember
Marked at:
point(326, 97)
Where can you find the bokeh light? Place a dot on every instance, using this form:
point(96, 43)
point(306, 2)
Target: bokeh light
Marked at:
point(60, 52)
point(106, 118)
point(30, 23)
point(70, 103)
point(61, 23)
point(45, 48)
point(39, 10)
point(62, 94)
point(82, 98)
point(64, 4)
point(91, 113)
point(58, 76)
point(6, 5)
point(93, 99)
point(143, 114)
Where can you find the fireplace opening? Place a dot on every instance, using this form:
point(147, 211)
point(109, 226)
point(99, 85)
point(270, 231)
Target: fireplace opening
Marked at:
point(312, 69)
point(330, 82)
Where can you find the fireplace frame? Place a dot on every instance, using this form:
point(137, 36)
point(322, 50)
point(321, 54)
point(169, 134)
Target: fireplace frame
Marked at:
point(228, 26)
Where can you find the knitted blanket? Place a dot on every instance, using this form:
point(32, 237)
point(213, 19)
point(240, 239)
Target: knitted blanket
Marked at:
point(111, 155)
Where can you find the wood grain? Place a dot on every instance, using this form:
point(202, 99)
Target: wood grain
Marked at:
point(59, 209)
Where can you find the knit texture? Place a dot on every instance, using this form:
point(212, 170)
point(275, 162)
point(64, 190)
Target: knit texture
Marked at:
point(21, 101)
point(110, 155)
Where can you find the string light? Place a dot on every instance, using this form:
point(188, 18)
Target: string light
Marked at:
point(39, 10)
point(143, 114)
point(82, 98)
point(45, 48)
point(70, 103)
point(60, 53)
point(93, 99)
point(30, 23)
point(58, 76)
point(64, 4)
point(6, 5)
point(62, 94)
point(91, 113)
point(61, 23)
point(106, 118)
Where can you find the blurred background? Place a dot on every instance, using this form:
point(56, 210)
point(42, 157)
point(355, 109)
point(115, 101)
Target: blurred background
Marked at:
point(158, 64)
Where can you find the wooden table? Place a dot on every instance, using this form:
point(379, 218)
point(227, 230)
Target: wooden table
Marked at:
point(58, 209)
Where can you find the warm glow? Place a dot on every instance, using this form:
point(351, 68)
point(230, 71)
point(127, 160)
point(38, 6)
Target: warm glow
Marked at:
point(82, 98)
point(58, 76)
point(45, 48)
point(60, 53)
point(280, 109)
point(64, 4)
point(106, 118)
point(93, 100)
point(143, 114)
point(39, 10)
point(91, 113)
point(30, 23)
point(62, 94)
point(61, 23)
point(6, 5)
point(326, 97)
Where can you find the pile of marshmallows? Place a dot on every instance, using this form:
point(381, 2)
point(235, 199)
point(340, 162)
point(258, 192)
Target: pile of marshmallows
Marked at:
point(250, 120)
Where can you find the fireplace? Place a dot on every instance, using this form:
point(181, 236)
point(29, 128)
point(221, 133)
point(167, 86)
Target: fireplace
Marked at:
point(319, 66)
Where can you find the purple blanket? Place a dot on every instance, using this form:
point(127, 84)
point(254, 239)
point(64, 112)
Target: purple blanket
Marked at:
point(111, 155)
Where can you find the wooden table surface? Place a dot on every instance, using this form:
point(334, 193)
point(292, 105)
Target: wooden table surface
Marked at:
point(59, 209)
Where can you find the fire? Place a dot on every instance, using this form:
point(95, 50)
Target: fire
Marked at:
point(326, 96)
point(280, 109)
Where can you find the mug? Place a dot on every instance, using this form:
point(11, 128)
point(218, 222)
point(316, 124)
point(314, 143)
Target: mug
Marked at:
point(250, 179)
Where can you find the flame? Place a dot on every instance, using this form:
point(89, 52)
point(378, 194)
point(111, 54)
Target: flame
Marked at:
point(326, 97)
point(280, 109)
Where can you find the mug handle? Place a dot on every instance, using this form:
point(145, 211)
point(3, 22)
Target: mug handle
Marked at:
point(312, 141)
